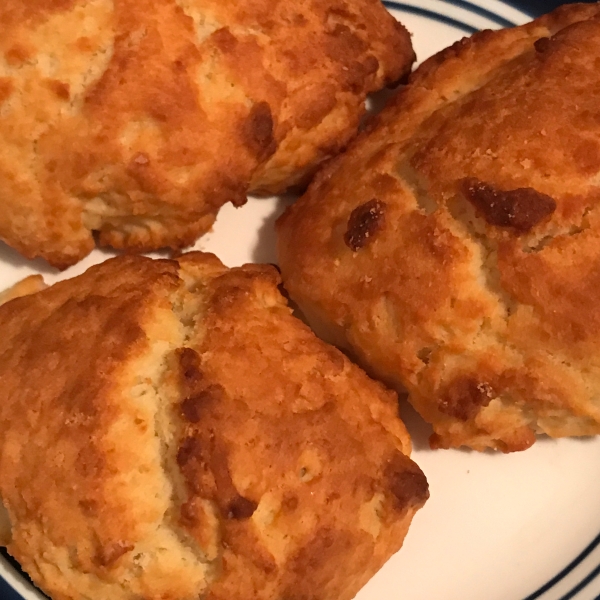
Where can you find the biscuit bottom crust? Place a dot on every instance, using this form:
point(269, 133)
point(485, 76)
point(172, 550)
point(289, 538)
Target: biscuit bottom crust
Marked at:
point(459, 238)
point(169, 431)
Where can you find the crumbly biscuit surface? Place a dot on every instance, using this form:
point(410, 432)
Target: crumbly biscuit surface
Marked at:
point(188, 437)
point(459, 236)
point(139, 119)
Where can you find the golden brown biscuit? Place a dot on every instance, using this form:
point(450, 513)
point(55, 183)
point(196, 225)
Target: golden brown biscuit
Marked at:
point(168, 430)
point(454, 248)
point(139, 119)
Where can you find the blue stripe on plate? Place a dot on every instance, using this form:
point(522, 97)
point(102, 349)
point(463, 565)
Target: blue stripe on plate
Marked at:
point(423, 12)
point(582, 584)
point(584, 554)
point(483, 12)
point(7, 593)
point(536, 8)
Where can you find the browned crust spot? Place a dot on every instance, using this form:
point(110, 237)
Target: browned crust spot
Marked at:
point(89, 507)
point(364, 222)
point(224, 40)
point(241, 508)
point(464, 397)
point(258, 130)
point(189, 367)
point(189, 450)
point(407, 482)
point(542, 45)
point(521, 209)
point(110, 554)
point(7, 87)
point(17, 55)
point(59, 88)
point(192, 406)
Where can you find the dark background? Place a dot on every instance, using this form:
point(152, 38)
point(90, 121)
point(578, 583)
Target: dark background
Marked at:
point(537, 7)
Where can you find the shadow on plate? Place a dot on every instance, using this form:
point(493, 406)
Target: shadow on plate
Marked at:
point(265, 251)
point(419, 429)
point(11, 257)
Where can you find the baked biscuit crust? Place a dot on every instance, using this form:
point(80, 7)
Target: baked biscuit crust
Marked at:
point(139, 119)
point(189, 436)
point(459, 235)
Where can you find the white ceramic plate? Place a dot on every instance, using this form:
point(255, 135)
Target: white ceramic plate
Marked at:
point(520, 527)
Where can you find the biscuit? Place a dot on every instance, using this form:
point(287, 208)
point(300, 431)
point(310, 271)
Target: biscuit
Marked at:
point(169, 431)
point(459, 237)
point(137, 120)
